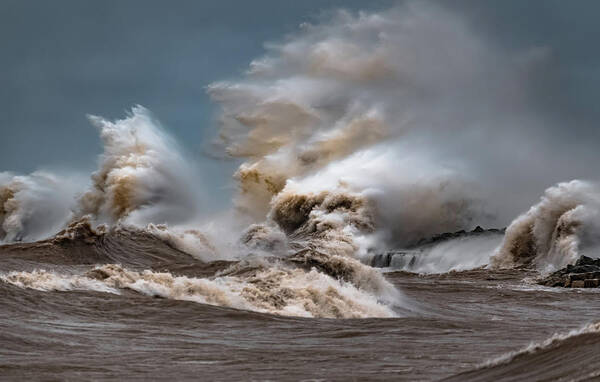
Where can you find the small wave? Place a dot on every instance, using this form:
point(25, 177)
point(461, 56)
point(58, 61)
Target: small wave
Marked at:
point(570, 356)
point(190, 241)
point(43, 280)
point(554, 341)
point(82, 244)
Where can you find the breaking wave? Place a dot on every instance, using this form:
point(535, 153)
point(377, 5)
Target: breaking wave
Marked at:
point(554, 232)
point(34, 206)
point(142, 176)
point(275, 290)
point(308, 283)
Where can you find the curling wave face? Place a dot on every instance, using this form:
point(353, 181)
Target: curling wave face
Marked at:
point(275, 290)
point(309, 283)
point(312, 238)
point(556, 231)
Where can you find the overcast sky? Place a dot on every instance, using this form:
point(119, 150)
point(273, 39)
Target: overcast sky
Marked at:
point(61, 60)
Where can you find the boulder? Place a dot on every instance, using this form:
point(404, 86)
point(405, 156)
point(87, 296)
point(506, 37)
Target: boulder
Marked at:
point(585, 273)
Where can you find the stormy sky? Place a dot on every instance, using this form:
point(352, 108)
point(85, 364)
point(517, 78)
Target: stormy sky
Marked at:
point(63, 60)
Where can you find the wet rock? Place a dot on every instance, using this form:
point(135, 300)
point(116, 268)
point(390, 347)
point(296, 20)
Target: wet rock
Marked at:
point(578, 284)
point(585, 273)
point(459, 234)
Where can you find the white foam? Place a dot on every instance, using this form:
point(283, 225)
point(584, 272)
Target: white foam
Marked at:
point(275, 290)
point(554, 232)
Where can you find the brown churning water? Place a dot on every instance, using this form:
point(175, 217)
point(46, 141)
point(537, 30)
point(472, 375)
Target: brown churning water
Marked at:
point(163, 314)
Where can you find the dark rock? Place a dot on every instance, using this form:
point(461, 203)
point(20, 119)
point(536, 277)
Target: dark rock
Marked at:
point(584, 260)
point(585, 273)
point(458, 234)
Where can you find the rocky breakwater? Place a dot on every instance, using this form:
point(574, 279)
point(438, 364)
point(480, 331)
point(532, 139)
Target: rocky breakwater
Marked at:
point(409, 257)
point(585, 273)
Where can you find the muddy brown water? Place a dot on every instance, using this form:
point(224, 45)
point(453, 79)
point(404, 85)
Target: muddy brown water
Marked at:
point(458, 321)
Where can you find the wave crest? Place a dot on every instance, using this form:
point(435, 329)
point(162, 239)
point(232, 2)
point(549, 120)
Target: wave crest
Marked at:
point(274, 289)
point(142, 176)
point(34, 206)
point(553, 232)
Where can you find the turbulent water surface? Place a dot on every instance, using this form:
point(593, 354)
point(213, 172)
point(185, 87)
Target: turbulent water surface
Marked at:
point(72, 322)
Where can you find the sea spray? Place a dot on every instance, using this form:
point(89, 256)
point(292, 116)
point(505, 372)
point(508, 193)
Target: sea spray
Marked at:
point(143, 176)
point(553, 232)
point(35, 206)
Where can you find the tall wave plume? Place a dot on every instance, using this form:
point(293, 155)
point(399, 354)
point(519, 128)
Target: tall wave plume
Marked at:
point(145, 180)
point(34, 206)
point(389, 107)
point(349, 135)
point(556, 231)
point(142, 178)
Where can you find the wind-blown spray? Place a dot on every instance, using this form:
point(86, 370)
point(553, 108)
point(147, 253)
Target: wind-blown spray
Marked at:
point(554, 232)
point(34, 206)
point(389, 106)
point(143, 178)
